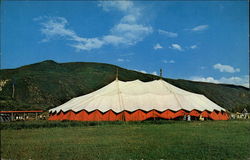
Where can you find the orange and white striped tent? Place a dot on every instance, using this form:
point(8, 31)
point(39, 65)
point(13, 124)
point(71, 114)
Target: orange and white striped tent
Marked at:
point(138, 101)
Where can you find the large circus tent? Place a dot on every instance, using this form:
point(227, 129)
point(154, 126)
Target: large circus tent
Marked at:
point(138, 101)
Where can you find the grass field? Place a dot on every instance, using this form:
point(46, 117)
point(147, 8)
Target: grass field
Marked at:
point(166, 140)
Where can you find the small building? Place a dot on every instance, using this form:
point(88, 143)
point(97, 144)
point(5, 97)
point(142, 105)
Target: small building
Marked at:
point(240, 115)
point(6, 116)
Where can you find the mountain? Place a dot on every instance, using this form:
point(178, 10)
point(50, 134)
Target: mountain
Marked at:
point(48, 84)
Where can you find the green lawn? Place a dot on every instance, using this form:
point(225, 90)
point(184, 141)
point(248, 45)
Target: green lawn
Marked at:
point(130, 141)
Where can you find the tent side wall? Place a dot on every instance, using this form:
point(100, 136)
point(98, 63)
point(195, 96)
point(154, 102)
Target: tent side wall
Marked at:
point(137, 115)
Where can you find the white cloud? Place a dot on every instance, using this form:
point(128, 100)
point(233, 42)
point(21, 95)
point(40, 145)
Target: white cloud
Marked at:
point(55, 27)
point(122, 60)
point(131, 28)
point(154, 73)
point(168, 34)
point(176, 47)
point(112, 39)
point(157, 46)
point(129, 19)
point(243, 80)
point(166, 61)
point(88, 44)
point(204, 79)
point(128, 31)
point(225, 68)
point(119, 5)
point(142, 71)
point(145, 72)
point(200, 28)
point(193, 46)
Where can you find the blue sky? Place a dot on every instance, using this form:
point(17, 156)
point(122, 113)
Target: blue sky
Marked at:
point(201, 41)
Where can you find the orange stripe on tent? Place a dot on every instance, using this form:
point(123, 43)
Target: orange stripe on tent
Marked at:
point(95, 116)
point(137, 115)
point(66, 116)
point(205, 114)
point(152, 114)
point(71, 115)
point(213, 115)
point(167, 114)
point(52, 117)
point(180, 113)
point(225, 116)
point(109, 116)
point(122, 116)
point(194, 113)
point(220, 116)
point(60, 116)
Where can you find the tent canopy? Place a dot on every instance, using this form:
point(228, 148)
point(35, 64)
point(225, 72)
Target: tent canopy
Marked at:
point(130, 96)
